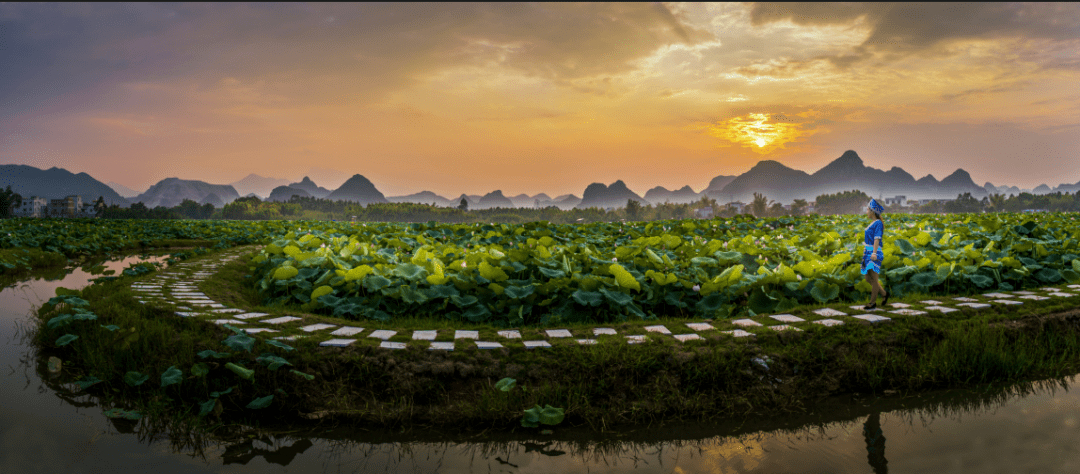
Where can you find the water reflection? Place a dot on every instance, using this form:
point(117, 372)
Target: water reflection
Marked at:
point(45, 427)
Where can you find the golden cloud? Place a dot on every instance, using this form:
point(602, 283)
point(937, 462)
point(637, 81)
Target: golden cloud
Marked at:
point(760, 132)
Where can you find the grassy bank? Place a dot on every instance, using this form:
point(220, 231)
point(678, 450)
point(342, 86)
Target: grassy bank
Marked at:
point(20, 261)
point(600, 386)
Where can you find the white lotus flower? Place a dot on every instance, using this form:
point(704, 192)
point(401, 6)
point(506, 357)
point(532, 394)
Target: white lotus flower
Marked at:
point(697, 287)
point(614, 259)
point(462, 264)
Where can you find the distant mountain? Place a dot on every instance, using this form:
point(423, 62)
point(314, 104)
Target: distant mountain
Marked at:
point(1042, 189)
point(715, 187)
point(358, 189)
point(122, 190)
point(660, 195)
point(495, 199)
point(782, 184)
point(311, 188)
point(423, 197)
point(285, 193)
point(1068, 188)
point(259, 185)
point(170, 192)
point(56, 183)
point(616, 196)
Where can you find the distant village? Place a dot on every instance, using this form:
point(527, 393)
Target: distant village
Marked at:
point(71, 206)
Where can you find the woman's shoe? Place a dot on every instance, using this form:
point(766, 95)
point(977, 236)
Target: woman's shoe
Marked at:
point(885, 300)
point(870, 306)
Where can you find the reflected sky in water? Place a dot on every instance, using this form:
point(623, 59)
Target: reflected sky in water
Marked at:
point(42, 430)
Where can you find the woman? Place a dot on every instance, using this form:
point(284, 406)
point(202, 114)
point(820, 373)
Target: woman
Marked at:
point(872, 255)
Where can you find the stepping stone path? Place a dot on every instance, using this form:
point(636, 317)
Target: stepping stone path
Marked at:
point(182, 288)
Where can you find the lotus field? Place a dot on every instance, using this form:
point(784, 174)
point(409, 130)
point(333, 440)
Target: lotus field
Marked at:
point(539, 273)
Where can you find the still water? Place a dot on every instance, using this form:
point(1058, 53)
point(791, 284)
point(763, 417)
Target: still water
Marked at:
point(1026, 428)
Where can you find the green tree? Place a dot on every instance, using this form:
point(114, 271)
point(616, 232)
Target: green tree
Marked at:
point(463, 205)
point(759, 205)
point(9, 201)
point(799, 207)
point(633, 209)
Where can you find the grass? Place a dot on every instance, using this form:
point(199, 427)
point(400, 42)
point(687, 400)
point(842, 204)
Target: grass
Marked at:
point(601, 386)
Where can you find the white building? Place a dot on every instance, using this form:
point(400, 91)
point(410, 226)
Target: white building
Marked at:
point(737, 206)
point(897, 200)
point(33, 207)
point(704, 213)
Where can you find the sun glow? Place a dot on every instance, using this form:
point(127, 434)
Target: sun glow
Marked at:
point(756, 132)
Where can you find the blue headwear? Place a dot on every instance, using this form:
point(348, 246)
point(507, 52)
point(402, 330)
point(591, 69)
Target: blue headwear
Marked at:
point(874, 206)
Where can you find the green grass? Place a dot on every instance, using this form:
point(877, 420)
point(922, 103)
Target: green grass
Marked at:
point(604, 385)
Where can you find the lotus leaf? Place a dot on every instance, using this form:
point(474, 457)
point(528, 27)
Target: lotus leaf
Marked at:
point(240, 370)
point(66, 339)
point(239, 342)
point(260, 402)
point(506, 384)
point(171, 376)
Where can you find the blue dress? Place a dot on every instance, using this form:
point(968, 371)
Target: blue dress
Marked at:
point(875, 230)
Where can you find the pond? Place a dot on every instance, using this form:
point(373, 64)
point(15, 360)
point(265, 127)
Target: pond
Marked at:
point(1022, 428)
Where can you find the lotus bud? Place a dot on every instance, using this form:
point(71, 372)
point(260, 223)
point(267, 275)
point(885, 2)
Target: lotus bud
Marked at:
point(614, 259)
point(697, 287)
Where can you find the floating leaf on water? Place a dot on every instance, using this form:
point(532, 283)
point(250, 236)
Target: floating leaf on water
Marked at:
point(260, 402)
point(135, 379)
point(118, 413)
point(244, 373)
point(54, 364)
point(171, 376)
point(87, 382)
point(506, 384)
point(66, 339)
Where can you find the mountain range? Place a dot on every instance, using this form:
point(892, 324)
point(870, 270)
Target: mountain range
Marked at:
point(774, 180)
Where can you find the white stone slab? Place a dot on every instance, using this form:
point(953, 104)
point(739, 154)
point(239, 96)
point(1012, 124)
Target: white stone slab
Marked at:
point(558, 333)
point(337, 342)
point(289, 319)
point(586, 342)
point(1010, 302)
point(212, 305)
point(1050, 289)
point(227, 310)
point(383, 334)
point(313, 327)
point(746, 323)
point(250, 315)
point(687, 337)
point(700, 326)
point(1024, 292)
point(975, 305)
point(941, 309)
point(1034, 297)
point(257, 330)
point(1075, 286)
point(636, 339)
point(228, 321)
point(185, 308)
point(392, 345)
point(930, 302)
point(603, 332)
point(426, 336)
point(488, 345)
point(829, 322)
point(863, 308)
point(460, 334)
point(184, 314)
point(1062, 295)
point(739, 333)
point(829, 312)
point(899, 305)
point(908, 312)
point(659, 329)
point(346, 331)
point(967, 300)
point(783, 327)
point(787, 318)
point(997, 295)
point(511, 334)
point(441, 346)
point(536, 344)
point(873, 318)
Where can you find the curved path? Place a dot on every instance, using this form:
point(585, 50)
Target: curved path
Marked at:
point(177, 286)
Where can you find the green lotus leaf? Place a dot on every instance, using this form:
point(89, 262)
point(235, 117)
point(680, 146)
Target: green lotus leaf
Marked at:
point(285, 273)
point(376, 282)
point(506, 384)
point(587, 298)
point(710, 303)
point(409, 271)
point(728, 257)
point(623, 277)
point(279, 345)
point(208, 406)
point(552, 273)
point(981, 281)
point(223, 392)
point(1048, 275)
point(271, 361)
point(171, 376)
point(118, 413)
point(87, 382)
point(199, 369)
point(111, 327)
point(210, 353)
point(306, 376)
point(492, 273)
point(66, 339)
point(239, 342)
point(761, 302)
point(619, 298)
point(926, 279)
point(518, 292)
point(260, 402)
point(135, 379)
point(58, 321)
point(243, 372)
point(824, 292)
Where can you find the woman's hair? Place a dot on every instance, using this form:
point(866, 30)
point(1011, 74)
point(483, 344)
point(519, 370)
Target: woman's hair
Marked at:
point(878, 217)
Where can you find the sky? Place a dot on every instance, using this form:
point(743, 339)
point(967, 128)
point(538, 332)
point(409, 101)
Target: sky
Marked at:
point(529, 98)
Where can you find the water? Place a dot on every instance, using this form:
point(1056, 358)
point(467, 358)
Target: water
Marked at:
point(1027, 428)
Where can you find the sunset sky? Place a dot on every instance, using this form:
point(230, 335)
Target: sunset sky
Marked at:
point(531, 98)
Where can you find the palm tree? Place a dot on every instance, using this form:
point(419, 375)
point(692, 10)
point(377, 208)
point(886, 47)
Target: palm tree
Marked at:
point(759, 205)
point(997, 202)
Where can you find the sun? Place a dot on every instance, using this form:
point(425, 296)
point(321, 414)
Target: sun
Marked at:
point(757, 132)
point(760, 142)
